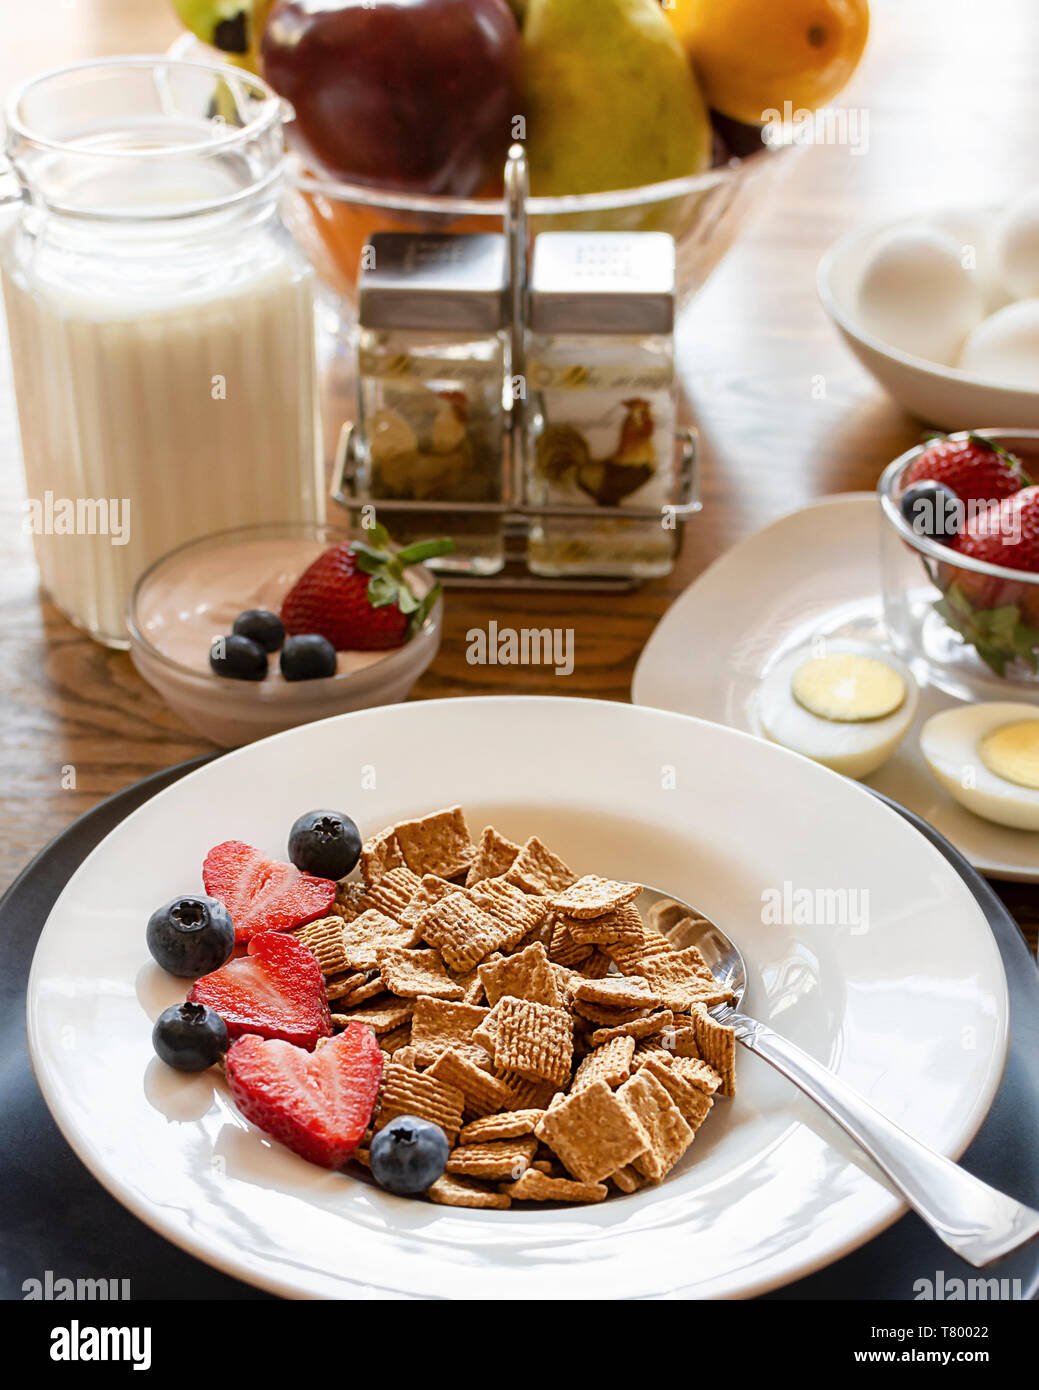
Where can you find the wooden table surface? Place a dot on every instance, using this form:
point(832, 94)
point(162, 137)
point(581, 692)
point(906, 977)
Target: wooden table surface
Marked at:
point(785, 413)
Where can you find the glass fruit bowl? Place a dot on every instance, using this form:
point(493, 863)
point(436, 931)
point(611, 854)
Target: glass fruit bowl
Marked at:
point(705, 213)
point(969, 627)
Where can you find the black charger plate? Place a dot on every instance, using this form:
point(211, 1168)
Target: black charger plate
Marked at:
point(55, 1217)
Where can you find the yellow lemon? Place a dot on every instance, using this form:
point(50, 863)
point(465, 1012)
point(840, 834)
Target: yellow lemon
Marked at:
point(752, 56)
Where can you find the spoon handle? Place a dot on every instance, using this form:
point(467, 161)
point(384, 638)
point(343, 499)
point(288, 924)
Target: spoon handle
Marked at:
point(979, 1223)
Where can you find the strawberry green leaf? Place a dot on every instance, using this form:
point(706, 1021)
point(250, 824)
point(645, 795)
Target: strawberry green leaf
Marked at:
point(382, 590)
point(425, 550)
point(377, 535)
point(423, 611)
point(997, 634)
point(406, 600)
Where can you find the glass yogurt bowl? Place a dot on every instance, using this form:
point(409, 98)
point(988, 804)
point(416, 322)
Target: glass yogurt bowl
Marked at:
point(962, 624)
point(192, 595)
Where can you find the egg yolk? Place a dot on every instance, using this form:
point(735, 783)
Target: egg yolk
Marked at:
point(1012, 752)
point(848, 689)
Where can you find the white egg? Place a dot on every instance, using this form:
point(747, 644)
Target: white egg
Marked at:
point(916, 295)
point(1016, 242)
point(854, 748)
point(950, 744)
point(973, 232)
point(1004, 348)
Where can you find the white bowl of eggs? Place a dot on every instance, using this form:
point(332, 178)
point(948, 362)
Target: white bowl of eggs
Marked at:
point(943, 311)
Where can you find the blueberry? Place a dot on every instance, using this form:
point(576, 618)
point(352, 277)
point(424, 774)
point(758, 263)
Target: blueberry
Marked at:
point(408, 1155)
point(260, 626)
point(238, 658)
point(191, 936)
point(308, 657)
point(325, 843)
point(932, 510)
point(190, 1037)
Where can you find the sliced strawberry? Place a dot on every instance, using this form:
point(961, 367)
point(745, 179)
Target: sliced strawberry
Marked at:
point(318, 1104)
point(263, 894)
point(277, 990)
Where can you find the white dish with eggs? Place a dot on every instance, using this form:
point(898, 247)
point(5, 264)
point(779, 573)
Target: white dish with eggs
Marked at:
point(722, 639)
point(952, 344)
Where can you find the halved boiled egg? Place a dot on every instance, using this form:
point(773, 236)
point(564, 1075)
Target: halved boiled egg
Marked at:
point(987, 757)
point(845, 704)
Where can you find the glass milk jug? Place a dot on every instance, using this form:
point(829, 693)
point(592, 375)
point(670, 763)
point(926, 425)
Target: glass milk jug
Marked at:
point(161, 321)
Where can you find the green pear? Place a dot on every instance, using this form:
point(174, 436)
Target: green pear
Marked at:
point(611, 100)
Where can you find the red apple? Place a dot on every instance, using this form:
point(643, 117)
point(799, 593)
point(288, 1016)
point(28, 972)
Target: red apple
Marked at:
point(416, 95)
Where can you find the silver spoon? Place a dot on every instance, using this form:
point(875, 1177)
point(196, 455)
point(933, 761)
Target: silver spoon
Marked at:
point(979, 1223)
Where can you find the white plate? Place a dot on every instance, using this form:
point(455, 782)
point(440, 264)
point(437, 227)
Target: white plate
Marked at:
point(769, 1190)
point(815, 572)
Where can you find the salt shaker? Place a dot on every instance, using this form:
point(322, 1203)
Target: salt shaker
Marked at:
point(433, 362)
point(601, 409)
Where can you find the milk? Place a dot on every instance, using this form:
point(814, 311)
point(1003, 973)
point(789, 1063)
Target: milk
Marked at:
point(165, 376)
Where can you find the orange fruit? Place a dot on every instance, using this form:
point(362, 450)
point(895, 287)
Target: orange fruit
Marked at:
point(752, 56)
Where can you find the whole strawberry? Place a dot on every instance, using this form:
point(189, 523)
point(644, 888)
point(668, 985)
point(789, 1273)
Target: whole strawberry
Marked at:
point(974, 468)
point(356, 594)
point(998, 616)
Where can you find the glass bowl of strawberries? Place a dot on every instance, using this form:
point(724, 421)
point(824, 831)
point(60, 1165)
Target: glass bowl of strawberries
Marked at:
point(960, 561)
point(254, 630)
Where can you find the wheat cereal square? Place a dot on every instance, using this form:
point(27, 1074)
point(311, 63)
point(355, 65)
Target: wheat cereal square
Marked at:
point(564, 950)
point(662, 1120)
point(644, 1026)
point(343, 986)
point(533, 1040)
point(436, 844)
point(363, 937)
point(537, 870)
point(627, 1179)
point(622, 924)
point(592, 1133)
point(494, 856)
point(391, 893)
point(698, 1073)
point(430, 890)
point(411, 973)
point(379, 854)
point(592, 896)
point(522, 914)
point(694, 1103)
point(717, 1044)
point(382, 1015)
point(526, 1094)
point(536, 1186)
point(409, 1092)
point(368, 987)
point(392, 1042)
point(495, 1159)
point(508, 1125)
point(484, 1093)
point(610, 1063)
point(526, 975)
point(687, 931)
point(347, 904)
point(449, 1191)
point(617, 992)
point(629, 955)
point(462, 932)
point(324, 940)
point(440, 1024)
